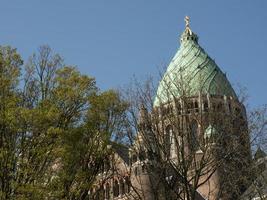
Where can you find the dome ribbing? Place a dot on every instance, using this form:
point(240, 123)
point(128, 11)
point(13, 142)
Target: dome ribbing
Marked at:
point(192, 72)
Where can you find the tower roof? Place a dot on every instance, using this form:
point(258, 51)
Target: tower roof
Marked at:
point(259, 154)
point(192, 71)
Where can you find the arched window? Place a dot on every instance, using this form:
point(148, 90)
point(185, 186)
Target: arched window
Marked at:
point(196, 106)
point(116, 190)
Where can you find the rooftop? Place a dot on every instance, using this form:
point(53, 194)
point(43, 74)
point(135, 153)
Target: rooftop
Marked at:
point(192, 72)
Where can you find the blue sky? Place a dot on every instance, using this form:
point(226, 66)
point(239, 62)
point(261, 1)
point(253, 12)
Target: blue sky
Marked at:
point(113, 40)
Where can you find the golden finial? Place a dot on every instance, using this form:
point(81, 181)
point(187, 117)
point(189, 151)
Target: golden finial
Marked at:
point(187, 20)
point(187, 32)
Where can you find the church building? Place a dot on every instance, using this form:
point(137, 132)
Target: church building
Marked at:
point(194, 142)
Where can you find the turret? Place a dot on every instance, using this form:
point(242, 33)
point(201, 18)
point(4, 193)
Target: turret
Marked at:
point(142, 177)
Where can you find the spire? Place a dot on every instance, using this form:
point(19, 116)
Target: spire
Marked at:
point(187, 25)
point(188, 34)
point(187, 20)
point(142, 113)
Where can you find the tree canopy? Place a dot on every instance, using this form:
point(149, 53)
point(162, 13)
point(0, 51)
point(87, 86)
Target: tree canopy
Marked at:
point(54, 127)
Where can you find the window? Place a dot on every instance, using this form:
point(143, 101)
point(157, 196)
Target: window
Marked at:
point(179, 108)
point(136, 171)
point(206, 106)
point(196, 106)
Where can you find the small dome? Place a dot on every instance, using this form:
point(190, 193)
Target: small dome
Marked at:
point(259, 154)
point(210, 131)
point(192, 72)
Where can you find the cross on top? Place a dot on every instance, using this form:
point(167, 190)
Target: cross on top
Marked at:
point(187, 20)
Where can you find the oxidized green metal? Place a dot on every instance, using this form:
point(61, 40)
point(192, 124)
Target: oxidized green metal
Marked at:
point(209, 132)
point(192, 72)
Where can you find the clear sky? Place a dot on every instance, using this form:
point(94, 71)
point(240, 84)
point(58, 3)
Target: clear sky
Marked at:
point(113, 40)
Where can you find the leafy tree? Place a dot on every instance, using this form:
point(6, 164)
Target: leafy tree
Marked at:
point(10, 64)
point(55, 126)
point(85, 148)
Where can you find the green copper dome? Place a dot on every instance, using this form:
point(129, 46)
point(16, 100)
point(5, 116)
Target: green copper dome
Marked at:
point(192, 72)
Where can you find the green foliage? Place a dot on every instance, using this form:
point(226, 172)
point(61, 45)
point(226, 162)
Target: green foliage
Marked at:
point(107, 114)
point(54, 127)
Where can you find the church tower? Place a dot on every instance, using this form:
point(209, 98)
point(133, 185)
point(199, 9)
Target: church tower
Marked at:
point(197, 121)
point(143, 176)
